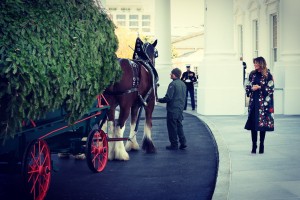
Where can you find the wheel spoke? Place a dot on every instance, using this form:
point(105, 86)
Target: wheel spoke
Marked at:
point(39, 153)
point(45, 159)
point(34, 182)
point(93, 149)
point(34, 171)
point(42, 187)
point(37, 167)
point(100, 164)
point(95, 157)
point(33, 158)
point(97, 153)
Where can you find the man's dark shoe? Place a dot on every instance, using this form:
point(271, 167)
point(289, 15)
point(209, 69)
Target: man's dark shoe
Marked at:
point(171, 147)
point(182, 147)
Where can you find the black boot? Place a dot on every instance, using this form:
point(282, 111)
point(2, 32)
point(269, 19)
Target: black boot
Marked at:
point(261, 148)
point(254, 146)
point(254, 140)
point(262, 140)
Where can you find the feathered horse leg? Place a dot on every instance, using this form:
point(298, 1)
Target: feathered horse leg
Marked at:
point(132, 143)
point(120, 152)
point(148, 145)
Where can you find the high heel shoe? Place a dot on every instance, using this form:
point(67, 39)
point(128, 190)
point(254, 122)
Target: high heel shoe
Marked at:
point(254, 146)
point(261, 148)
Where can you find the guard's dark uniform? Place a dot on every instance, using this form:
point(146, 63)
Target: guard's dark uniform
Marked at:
point(175, 99)
point(189, 78)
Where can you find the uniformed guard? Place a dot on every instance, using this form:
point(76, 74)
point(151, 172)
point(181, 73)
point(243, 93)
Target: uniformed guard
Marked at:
point(189, 78)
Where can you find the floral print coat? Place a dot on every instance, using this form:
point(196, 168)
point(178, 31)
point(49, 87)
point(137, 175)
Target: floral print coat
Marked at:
point(261, 102)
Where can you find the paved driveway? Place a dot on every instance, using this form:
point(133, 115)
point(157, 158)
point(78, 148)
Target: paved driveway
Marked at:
point(167, 175)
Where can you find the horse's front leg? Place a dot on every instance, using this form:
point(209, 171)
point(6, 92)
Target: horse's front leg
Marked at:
point(132, 144)
point(148, 145)
point(120, 152)
point(109, 128)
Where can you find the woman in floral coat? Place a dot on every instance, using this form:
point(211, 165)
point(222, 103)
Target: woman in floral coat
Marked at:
point(260, 89)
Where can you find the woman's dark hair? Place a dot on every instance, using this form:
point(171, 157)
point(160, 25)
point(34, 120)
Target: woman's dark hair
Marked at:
point(262, 64)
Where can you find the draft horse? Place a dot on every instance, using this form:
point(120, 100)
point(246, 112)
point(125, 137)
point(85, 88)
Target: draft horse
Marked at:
point(135, 91)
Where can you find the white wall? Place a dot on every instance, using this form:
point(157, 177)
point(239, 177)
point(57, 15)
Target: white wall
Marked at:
point(220, 87)
point(286, 70)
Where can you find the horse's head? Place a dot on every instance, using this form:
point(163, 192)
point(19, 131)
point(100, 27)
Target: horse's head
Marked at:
point(146, 51)
point(150, 51)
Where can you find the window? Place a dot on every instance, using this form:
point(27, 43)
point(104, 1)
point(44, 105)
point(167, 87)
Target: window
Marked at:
point(121, 20)
point(133, 17)
point(255, 38)
point(146, 23)
point(196, 71)
point(146, 17)
point(121, 17)
point(274, 41)
point(240, 40)
point(133, 21)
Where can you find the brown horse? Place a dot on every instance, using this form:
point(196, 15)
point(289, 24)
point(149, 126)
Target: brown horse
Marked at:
point(136, 90)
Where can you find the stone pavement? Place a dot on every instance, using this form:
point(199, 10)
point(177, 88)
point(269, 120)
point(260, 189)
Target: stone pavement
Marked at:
point(274, 175)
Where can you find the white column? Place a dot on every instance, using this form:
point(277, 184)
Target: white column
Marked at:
point(163, 35)
point(287, 69)
point(220, 90)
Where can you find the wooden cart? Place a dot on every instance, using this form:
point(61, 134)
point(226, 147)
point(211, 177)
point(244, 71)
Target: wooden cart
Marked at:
point(31, 148)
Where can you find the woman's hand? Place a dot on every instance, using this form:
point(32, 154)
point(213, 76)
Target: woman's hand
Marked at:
point(255, 87)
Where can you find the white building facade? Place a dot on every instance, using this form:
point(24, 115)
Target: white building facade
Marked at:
point(249, 28)
point(136, 15)
point(271, 29)
point(232, 29)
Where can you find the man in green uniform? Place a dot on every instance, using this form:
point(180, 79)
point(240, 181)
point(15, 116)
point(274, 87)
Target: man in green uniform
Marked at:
point(175, 99)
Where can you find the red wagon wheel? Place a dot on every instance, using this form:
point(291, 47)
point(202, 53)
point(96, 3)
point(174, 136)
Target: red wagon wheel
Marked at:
point(36, 169)
point(97, 150)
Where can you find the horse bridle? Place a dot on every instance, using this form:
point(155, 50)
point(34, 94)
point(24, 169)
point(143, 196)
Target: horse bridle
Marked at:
point(144, 48)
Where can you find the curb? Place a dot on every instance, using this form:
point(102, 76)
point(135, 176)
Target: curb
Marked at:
point(224, 170)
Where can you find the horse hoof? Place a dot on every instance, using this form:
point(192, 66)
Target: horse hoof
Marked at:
point(148, 146)
point(111, 156)
point(149, 151)
point(64, 155)
point(123, 156)
point(80, 156)
point(130, 146)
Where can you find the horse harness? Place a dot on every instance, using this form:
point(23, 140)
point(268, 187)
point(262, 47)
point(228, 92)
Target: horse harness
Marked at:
point(150, 68)
point(134, 64)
